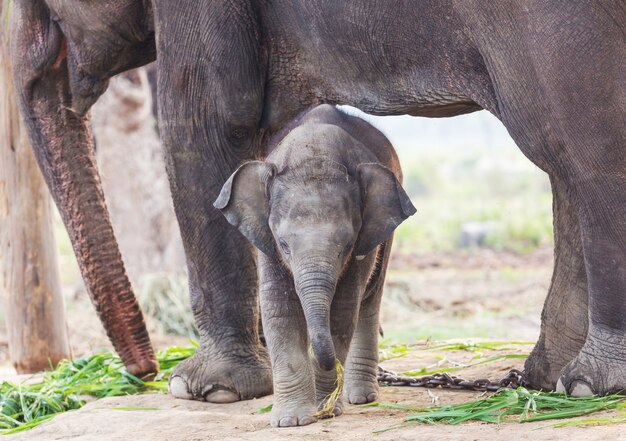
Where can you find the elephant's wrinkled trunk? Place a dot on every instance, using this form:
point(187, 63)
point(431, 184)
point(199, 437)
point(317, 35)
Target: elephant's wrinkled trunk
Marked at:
point(315, 280)
point(63, 145)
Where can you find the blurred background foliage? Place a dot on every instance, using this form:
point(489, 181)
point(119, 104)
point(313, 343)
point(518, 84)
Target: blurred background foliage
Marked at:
point(497, 189)
point(465, 174)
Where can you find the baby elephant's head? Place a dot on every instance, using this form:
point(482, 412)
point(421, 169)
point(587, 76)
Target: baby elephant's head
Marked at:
point(314, 216)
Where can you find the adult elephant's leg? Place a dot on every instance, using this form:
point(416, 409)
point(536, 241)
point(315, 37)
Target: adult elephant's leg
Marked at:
point(573, 129)
point(585, 151)
point(210, 86)
point(600, 183)
point(63, 146)
point(564, 317)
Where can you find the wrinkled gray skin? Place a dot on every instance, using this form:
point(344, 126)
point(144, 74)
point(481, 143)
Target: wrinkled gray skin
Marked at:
point(321, 209)
point(230, 73)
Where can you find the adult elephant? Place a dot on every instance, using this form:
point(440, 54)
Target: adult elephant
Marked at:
point(232, 72)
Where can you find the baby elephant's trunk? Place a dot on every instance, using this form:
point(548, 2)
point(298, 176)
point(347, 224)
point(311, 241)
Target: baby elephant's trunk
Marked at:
point(315, 281)
point(322, 343)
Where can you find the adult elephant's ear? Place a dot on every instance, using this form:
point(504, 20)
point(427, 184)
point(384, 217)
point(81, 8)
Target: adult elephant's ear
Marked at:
point(244, 203)
point(385, 205)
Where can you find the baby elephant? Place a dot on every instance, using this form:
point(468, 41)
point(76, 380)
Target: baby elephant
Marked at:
point(321, 209)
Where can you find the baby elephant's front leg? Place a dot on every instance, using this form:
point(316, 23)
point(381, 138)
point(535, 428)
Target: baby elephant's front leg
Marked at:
point(285, 331)
point(326, 383)
point(361, 385)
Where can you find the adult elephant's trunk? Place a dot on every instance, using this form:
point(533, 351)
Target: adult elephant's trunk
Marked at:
point(63, 145)
point(315, 279)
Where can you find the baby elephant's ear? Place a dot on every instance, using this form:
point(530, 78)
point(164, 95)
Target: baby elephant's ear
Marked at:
point(385, 205)
point(244, 203)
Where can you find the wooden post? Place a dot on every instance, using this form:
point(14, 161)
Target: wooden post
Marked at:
point(29, 271)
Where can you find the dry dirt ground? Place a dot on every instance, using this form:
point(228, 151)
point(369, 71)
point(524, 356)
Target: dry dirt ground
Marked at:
point(179, 420)
point(482, 294)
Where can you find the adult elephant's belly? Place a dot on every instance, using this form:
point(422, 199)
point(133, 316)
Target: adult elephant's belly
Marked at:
point(328, 52)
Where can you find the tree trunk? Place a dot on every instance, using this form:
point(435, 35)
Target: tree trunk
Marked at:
point(31, 288)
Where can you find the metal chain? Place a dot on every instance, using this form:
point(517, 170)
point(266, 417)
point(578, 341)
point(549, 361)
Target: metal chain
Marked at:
point(513, 379)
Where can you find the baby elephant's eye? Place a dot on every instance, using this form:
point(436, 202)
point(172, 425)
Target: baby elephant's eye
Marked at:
point(284, 246)
point(348, 248)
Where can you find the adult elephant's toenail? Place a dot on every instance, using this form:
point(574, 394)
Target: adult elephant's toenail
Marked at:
point(581, 388)
point(559, 387)
point(219, 394)
point(179, 388)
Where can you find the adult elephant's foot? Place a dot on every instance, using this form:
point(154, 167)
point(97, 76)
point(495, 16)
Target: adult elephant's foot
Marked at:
point(599, 368)
point(539, 370)
point(218, 379)
point(547, 360)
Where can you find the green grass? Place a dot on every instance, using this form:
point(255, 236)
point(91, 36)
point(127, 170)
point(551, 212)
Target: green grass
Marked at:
point(23, 406)
point(478, 347)
point(266, 409)
point(517, 405)
point(388, 350)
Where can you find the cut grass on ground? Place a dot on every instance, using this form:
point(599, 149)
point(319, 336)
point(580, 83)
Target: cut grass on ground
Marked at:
point(518, 405)
point(23, 406)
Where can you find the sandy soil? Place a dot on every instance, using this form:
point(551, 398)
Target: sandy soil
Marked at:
point(179, 420)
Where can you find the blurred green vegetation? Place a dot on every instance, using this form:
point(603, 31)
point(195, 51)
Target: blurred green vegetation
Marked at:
point(452, 187)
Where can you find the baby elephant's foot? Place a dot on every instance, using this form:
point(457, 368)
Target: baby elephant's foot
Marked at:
point(290, 416)
point(325, 390)
point(336, 410)
point(359, 390)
